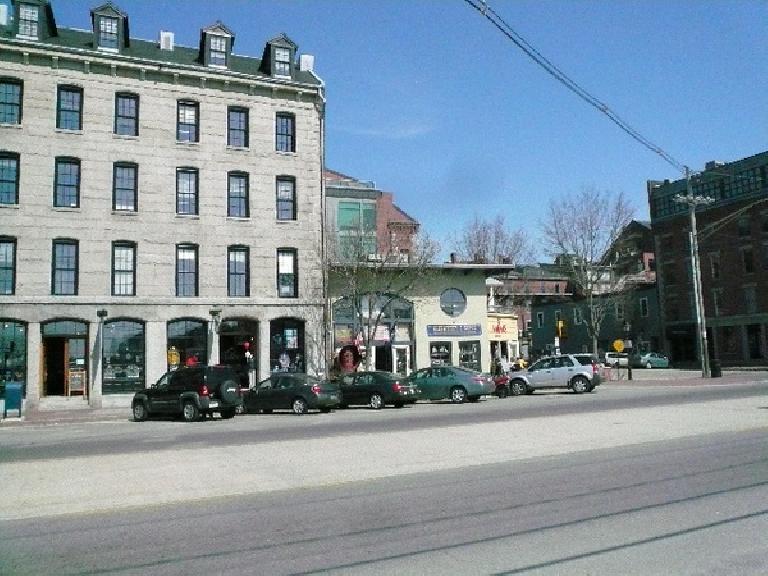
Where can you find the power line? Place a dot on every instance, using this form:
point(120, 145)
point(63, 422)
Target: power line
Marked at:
point(549, 67)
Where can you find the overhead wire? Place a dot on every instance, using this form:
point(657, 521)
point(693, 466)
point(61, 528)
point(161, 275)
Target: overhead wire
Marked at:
point(494, 18)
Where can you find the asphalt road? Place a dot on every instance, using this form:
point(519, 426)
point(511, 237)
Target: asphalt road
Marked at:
point(629, 480)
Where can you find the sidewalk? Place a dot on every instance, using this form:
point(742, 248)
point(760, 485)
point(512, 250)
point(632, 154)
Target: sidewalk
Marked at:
point(64, 417)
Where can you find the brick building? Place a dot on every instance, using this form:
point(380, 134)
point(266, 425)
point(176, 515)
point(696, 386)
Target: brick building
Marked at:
point(158, 204)
point(733, 254)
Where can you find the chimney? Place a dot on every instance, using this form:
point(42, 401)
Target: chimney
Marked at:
point(166, 40)
point(307, 63)
point(453, 257)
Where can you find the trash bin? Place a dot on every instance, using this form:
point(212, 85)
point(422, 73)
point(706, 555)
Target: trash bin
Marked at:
point(12, 398)
point(715, 369)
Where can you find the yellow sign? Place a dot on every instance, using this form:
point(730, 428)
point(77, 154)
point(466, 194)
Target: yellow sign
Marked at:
point(618, 345)
point(173, 356)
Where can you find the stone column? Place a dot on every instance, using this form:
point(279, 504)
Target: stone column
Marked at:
point(34, 364)
point(263, 351)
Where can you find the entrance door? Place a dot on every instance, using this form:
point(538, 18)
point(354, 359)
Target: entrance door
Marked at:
point(54, 366)
point(401, 360)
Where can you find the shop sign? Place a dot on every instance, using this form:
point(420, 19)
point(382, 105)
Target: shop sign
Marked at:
point(440, 330)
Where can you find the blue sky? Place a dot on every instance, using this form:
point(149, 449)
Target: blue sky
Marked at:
point(434, 104)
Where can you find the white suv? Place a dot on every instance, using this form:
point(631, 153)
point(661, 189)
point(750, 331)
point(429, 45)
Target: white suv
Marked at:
point(614, 359)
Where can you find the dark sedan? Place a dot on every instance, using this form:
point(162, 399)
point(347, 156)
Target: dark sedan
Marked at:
point(291, 391)
point(376, 389)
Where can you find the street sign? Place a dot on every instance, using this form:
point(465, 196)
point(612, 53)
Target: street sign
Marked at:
point(618, 345)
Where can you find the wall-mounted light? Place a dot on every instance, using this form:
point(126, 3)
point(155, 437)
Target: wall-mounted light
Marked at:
point(102, 314)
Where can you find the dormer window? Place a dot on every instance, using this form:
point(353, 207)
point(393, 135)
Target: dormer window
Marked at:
point(216, 44)
point(218, 52)
point(282, 62)
point(108, 33)
point(29, 17)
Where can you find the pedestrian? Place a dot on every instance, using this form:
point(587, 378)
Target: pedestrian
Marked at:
point(349, 358)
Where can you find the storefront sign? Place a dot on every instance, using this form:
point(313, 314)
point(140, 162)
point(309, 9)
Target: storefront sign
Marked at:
point(451, 330)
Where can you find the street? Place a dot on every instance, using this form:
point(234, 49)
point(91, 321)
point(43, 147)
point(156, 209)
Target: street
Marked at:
point(636, 478)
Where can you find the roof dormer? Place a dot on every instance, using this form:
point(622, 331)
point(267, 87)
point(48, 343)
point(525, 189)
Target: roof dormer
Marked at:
point(34, 20)
point(279, 57)
point(216, 44)
point(110, 28)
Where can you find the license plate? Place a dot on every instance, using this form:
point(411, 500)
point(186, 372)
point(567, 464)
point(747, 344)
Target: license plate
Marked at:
point(332, 396)
point(213, 404)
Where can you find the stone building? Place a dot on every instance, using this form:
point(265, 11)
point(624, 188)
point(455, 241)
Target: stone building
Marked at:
point(159, 204)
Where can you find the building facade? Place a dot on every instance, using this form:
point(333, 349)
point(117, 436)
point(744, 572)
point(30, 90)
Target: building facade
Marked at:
point(159, 205)
point(732, 233)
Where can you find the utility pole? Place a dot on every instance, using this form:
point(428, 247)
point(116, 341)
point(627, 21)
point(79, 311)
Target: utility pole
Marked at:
point(701, 324)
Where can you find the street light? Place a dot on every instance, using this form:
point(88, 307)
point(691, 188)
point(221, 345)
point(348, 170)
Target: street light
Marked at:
point(701, 325)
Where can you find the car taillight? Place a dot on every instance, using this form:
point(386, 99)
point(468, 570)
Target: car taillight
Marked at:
point(316, 389)
point(203, 390)
point(479, 379)
point(594, 368)
point(396, 386)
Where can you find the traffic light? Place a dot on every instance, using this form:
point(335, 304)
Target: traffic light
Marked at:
point(560, 329)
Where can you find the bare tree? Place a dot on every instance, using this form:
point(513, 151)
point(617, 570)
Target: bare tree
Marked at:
point(492, 241)
point(367, 284)
point(580, 230)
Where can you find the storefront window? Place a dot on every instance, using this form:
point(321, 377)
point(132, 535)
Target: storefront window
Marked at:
point(286, 350)
point(189, 339)
point(13, 353)
point(123, 358)
point(469, 354)
point(440, 353)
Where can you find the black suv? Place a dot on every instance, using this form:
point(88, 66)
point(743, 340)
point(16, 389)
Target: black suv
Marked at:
point(191, 392)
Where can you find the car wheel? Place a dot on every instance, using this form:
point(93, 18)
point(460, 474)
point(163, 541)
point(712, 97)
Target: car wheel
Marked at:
point(399, 404)
point(228, 413)
point(458, 395)
point(516, 387)
point(190, 412)
point(502, 392)
point(376, 401)
point(579, 384)
point(299, 406)
point(140, 412)
point(616, 365)
point(648, 365)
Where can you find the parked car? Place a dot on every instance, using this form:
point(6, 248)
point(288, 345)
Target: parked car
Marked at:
point(291, 391)
point(562, 371)
point(453, 382)
point(376, 389)
point(615, 359)
point(594, 363)
point(653, 360)
point(190, 392)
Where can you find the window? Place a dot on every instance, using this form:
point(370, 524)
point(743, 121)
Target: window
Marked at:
point(282, 62)
point(714, 265)
point(188, 122)
point(750, 299)
point(539, 319)
point(469, 354)
point(453, 302)
point(7, 266)
point(286, 198)
point(186, 191)
point(717, 297)
point(127, 114)
point(218, 51)
point(108, 32)
point(65, 265)
point(237, 127)
point(440, 353)
point(747, 260)
point(186, 270)
point(125, 187)
point(123, 355)
point(123, 269)
point(189, 338)
point(238, 271)
point(9, 178)
point(744, 227)
point(237, 195)
point(11, 92)
point(285, 129)
point(619, 310)
point(644, 307)
point(287, 277)
point(29, 20)
point(557, 317)
point(67, 185)
point(69, 108)
point(577, 319)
